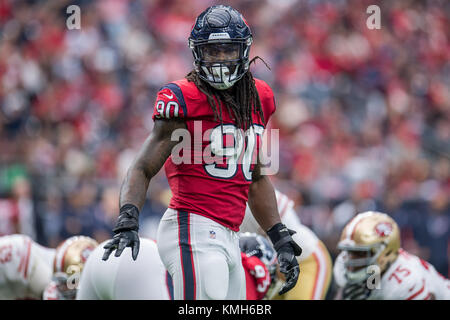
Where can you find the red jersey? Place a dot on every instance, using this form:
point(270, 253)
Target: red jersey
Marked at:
point(257, 277)
point(215, 175)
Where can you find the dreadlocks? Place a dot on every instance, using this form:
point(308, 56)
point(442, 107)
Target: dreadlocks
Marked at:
point(240, 101)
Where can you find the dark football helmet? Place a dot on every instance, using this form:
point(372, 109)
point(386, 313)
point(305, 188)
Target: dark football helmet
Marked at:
point(220, 41)
point(253, 244)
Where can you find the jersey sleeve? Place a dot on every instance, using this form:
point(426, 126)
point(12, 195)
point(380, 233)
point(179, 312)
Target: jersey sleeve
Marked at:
point(169, 103)
point(440, 283)
point(267, 99)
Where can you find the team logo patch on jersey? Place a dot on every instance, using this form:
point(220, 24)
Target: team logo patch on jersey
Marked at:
point(212, 234)
point(383, 229)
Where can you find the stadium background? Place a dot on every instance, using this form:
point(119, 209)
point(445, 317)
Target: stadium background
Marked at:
point(364, 115)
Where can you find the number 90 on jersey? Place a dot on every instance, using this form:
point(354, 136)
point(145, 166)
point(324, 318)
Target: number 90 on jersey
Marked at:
point(236, 155)
point(167, 110)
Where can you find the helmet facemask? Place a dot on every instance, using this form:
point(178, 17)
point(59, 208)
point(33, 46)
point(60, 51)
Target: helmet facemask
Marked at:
point(222, 62)
point(65, 285)
point(357, 259)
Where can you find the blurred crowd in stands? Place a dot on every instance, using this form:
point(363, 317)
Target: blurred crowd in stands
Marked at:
point(364, 115)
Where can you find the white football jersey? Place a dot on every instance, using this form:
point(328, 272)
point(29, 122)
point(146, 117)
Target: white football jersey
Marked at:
point(25, 267)
point(408, 278)
point(122, 278)
point(307, 240)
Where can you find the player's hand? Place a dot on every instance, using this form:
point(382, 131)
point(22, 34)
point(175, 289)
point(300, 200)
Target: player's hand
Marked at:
point(358, 291)
point(126, 231)
point(287, 250)
point(120, 241)
point(289, 267)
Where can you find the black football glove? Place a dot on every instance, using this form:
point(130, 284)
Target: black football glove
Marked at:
point(287, 250)
point(126, 231)
point(357, 291)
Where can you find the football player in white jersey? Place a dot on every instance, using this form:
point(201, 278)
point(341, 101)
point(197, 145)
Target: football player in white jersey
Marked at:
point(315, 261)
point(373, 266)
point(25, 267)
point(122, 278)
point(70, 257)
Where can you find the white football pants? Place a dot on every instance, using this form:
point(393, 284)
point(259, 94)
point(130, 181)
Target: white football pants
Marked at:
point(202, 256)
point(122, 278)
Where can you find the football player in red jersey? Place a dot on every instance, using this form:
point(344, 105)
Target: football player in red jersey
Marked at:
point(260, 265)
point(218, 100)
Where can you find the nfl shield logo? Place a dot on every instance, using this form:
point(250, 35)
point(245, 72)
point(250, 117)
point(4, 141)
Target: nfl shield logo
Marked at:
point(212, 234)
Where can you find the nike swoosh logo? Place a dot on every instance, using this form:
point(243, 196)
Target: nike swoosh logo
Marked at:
point(170, 97)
